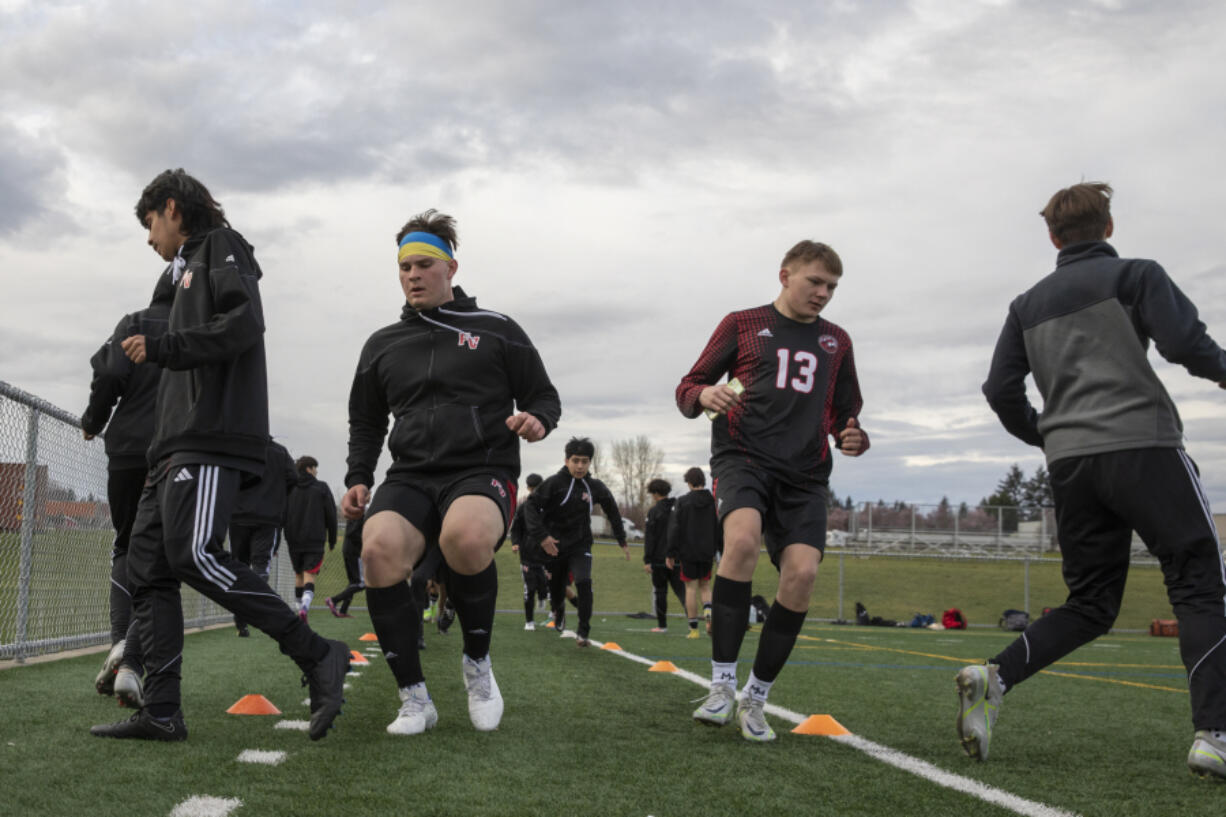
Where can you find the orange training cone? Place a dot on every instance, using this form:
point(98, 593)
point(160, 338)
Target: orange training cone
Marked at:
point(821, 725)
point(368, 637)
point(356, 657)
point(253, 705)
point(610, 645)
point(662, 666)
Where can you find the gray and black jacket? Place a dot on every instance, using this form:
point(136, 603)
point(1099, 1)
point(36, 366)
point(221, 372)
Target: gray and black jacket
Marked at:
point(1084, 331)
point(117, 380)
point(310, 516)
point(562, 506)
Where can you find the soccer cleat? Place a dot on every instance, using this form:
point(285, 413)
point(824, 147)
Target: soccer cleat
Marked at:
point(582, 641)
point(243, 632)
point(417, 712)
point(104, 682)
point(979, 696)
point(332, 607)
point(752, 718)
point(484, 699)
point(142, 726)
point(1207, 757)
point(530, 626)
point(446, 617)
point(129, 688)
point(692, 634)
point(717, 708)
point(327, 684)
point(659, 629)
point(302, 615)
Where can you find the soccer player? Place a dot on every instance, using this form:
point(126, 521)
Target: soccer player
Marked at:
point(559, 516)
point(1114, 446)
point(259, 515)
point(309, 518)
point(121, 400)
point(536, 581)
point(464, 385)
point(793, 385)
point(655, 552)
point(694, 535)
point(210, 434)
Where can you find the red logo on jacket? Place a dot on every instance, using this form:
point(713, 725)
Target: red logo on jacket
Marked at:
point(187, 280)
point(470, 340)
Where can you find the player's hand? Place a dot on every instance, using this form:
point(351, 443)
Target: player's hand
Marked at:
point(86, 434)
point(354, 502)
point(646, 568)
point(625, 549)
point(718, 398)
point(134, 348)
point(550, 545)
point(515, 549)
point(669, 562)
point(851, 439)
point(527, 426)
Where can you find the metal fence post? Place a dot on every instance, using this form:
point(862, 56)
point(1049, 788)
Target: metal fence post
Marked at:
point(912, 527)
point(1026, 583)
point(870, 524)
point(956, 517)
point(29, 514)
point(840, 586)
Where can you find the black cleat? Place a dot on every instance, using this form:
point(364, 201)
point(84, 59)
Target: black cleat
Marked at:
point(143, 726)
point(327, 683)
point(243, 632)
point(445, 618)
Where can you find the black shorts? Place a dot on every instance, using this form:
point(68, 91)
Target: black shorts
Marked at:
point(306, 561)
point(424, 501)
point(693, 571)
point(790, 514)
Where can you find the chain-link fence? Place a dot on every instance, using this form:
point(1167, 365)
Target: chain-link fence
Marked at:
point(56, 535)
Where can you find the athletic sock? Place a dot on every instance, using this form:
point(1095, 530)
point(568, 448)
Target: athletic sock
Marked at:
point(706, 610)
point(474, 598)
point(298, 591)
point(729, 618)
point(722, 673)
point(397, 623)
point(308, 594)
point(756, 688)
point(778, 637)
point(693, 624)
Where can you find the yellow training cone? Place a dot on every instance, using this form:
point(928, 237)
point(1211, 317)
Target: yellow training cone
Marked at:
point(253, 705)
point(821, 725)
point(368, 637)
point(662, 666)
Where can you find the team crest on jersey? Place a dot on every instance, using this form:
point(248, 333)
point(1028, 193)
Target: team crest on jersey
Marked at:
point(468, 340)
point(829, 343)
point(585, 497)
point(501, 491)
point(187, 280)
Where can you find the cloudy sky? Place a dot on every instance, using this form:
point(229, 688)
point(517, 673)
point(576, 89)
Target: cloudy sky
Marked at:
point(623, 175)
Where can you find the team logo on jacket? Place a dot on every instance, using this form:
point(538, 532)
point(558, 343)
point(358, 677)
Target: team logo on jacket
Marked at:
point(187, 280)
point(501, 491)
point(829, 343)
point(468, 340)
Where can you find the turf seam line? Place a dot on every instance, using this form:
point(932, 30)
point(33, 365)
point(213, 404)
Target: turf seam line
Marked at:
point(893, 757)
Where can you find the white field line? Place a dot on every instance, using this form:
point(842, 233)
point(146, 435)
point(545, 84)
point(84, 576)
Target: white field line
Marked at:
point(893, 757)
point(268, 758)
point(204, 806)
point(300, 726)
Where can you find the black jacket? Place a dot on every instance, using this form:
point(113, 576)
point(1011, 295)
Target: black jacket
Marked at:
point(450, 377)
point(655, 533)
point(129, 429)
point(213, 396)
point(310, 515)
point(694, 532)
point(264, 502)
point(561, 507)
point(529, 548)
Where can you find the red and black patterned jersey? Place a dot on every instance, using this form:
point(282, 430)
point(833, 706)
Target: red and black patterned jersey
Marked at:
point(800, 387)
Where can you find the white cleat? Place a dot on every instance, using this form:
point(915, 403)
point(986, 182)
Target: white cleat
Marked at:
point(530, 626)
point(484, 699)
point(417, 712)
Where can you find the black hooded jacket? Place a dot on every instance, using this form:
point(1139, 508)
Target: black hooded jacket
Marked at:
point(694, 532)
point(562, 506)
point(450, 377)
point(310, 515)
point(129, 425)
point(264, 503)
point(212, 402)
point(655, 532)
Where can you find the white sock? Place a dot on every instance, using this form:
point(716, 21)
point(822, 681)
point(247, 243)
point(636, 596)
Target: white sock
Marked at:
point(757, 688)
point(723, 673)
point(306, 599)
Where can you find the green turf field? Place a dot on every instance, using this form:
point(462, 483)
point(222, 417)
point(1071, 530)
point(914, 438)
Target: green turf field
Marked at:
point(589, 732)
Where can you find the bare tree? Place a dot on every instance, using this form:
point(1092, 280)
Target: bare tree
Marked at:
point(596, 469)
point(636, 461)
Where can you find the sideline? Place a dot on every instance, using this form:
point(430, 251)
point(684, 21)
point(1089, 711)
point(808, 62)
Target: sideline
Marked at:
point(892, 757)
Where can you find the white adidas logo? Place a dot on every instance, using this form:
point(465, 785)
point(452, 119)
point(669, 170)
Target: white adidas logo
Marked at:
point(766, 333)
point(230, 258)
point(184, 475)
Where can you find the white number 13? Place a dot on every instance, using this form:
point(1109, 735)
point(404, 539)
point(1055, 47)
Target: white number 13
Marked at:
point(806, 363)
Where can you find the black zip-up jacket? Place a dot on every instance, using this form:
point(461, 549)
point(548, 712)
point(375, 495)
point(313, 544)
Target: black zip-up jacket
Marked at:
point(1084, 331)
point(310, 515)
point(694, 532)
point(655, 532)
point(129, 428)
point(213, 396)
point(264, 502)
point(529, 548)
point(450, 376)
point(561, 507)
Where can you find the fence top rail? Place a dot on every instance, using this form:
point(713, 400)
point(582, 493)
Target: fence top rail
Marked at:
point(860, 552)
point(38, 404)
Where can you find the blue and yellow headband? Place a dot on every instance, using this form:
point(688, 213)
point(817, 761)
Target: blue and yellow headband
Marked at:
point(424, 244)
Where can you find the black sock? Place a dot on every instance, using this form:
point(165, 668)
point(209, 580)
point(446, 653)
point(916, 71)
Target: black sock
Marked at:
point(584, 589)
point(298, 591)
point(729, 618)
point(778, 637)
point(397, 623)
point(473, 598)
